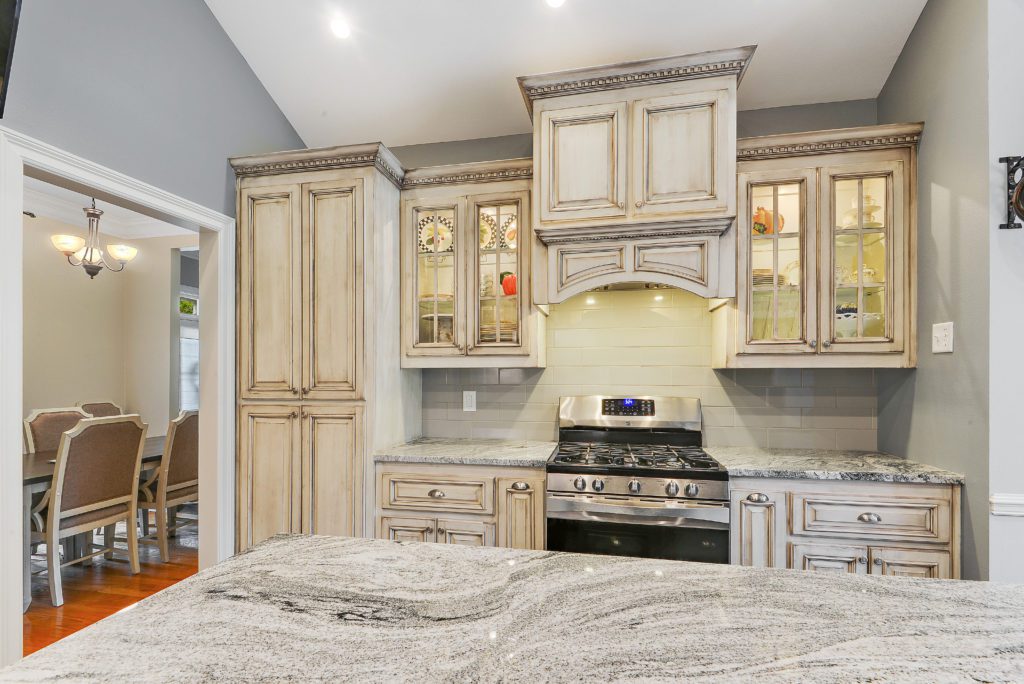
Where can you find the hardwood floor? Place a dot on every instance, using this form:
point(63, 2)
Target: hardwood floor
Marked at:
point(92, 593)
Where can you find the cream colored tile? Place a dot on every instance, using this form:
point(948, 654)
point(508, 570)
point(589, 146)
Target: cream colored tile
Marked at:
point(438, 412)
point(735, 436)
point(732, 396)
point(861, 440)
point(643, 375)
point(768, 377)
point(802, 439)
point(483, 412)
point(719, 416)
point(768, 417)
point(446, 429)
point(435, 376)
point(838, 377)
point(801, 397)
point(694, 376)
point(856, 398)
point(535, 413)
point(836, 418)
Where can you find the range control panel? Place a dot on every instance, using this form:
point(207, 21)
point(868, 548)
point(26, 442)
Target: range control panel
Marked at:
point(627, 407)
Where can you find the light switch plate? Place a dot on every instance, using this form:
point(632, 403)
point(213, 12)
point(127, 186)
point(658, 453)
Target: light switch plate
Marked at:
point(942, 338)
point(469, 400)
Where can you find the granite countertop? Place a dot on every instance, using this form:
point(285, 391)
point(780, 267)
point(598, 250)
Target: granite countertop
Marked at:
point(817, 464)
point(489, 452)
point(336, 609)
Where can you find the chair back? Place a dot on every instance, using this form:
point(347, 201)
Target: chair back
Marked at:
point(101, 409)
point(180, 464)
point(44, 427)
point(97, 470)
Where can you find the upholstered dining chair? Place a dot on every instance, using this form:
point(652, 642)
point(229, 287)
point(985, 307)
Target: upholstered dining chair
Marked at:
point(95, 484)
point(43, 430)
point(101, 409)
point(176, 481)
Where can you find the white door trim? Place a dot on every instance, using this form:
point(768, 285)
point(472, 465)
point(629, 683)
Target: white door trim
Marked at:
point(1006, 504)
point(20, 154)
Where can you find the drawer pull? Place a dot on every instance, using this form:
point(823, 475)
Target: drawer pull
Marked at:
point(430, 530)
point(869, 518)
point(878, 561)
point(440, 530)
point(862, 560)
point(757, 498)
point(521, 486)
point(435, 494)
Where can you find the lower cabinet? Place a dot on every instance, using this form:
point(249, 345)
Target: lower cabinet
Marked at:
point(900, 530)
point(467, 505)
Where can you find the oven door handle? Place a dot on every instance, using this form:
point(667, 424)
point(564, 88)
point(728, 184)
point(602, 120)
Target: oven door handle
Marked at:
point(715, 517)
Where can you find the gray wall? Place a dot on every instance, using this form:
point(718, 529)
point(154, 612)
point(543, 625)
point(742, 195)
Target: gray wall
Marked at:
point(189, 269)
point(939, 413)
point(155, 90)
point(750, 123)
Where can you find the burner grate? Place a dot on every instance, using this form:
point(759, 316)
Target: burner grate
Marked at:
point(658, 456)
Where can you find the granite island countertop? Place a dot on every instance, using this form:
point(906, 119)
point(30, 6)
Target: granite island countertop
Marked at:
point(336, 609)
point(487, 452)
point(818, 464)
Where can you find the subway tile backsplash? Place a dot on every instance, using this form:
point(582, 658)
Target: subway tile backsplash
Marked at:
point(654, 342)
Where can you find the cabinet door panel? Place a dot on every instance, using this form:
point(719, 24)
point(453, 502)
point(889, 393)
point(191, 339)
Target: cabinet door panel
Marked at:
point(678, 143)
point(830, 558)
point(776, 261)
point(582, 158)
point(863, 262)
point(465, 532)
point(521, 521)
point(332, 289)
point(910, 563)
point(332, 470)
point(269, 293)
point(757, 533)
point(268, 473)
point(407, 529)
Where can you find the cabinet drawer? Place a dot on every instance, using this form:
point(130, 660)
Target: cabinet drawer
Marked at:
point(426, 492)
point(892, 517)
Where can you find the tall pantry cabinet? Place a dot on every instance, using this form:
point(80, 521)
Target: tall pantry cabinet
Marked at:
point(319, 383)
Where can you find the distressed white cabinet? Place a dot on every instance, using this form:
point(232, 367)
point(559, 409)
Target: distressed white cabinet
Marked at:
point(826, 263)
point(759, 526)
point(466, 259)
point(634, 174)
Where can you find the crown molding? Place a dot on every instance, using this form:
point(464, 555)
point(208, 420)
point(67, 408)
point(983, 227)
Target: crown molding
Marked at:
point(474, 172)
point(835, 140)
point(318, 159)
point(643, 72)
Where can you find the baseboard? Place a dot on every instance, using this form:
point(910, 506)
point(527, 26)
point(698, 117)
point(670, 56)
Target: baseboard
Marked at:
point(1006, 504)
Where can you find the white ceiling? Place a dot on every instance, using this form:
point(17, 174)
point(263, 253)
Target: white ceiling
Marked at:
point(417, 71)
point(61, 204)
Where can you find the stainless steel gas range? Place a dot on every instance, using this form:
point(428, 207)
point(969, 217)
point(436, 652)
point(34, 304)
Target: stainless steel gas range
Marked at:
point(629, 478)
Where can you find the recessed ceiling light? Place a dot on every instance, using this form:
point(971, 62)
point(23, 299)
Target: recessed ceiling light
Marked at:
point(340, 27)
point(556, 3)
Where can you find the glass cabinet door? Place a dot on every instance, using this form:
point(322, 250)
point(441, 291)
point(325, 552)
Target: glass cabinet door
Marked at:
point(501, 295)
point(776, 256)
point(862, 283)
point(436, 278)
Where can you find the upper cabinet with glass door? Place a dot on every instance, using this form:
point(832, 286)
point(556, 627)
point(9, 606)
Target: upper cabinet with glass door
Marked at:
point(825, 260)
point(466, 253)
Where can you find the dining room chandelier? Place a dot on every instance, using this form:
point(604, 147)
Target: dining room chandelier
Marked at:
point(86, 252)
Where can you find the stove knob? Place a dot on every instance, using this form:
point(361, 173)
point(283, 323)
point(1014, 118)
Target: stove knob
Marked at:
point(579, 483)
point(634, 486)
point(672, 488)
point(598, 485)
point(691, 489)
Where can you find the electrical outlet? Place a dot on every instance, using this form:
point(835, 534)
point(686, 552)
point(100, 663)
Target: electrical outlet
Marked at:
point(942, 338)
point(469, 400)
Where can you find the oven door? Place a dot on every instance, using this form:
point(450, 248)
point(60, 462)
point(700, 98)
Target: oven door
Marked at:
point(688, 531)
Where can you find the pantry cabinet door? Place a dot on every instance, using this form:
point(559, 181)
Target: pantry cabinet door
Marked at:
point(777, 310)
point(269, 293)
point(332, 289)
point(682, 161)
point(829, 558)
point(865, 279)
point(581, 162)
point(269, 473)
point(332, 460)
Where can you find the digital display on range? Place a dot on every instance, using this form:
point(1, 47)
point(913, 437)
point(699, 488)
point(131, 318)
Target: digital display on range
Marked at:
point(627, 407)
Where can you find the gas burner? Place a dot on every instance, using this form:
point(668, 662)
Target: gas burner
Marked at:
point(626, 456)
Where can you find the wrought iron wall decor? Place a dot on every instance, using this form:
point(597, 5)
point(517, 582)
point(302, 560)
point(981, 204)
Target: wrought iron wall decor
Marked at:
point(1014, 191)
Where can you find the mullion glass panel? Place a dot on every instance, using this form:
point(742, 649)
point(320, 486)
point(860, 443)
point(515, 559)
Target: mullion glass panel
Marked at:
point(435, 276)
point(776, 263)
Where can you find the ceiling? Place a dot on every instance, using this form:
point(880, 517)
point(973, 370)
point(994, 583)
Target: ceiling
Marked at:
point(416, 71)
point(61, 204)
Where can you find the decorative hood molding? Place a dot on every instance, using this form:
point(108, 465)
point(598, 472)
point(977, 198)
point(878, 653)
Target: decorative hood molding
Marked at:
point(835, 140)
point(317, 159)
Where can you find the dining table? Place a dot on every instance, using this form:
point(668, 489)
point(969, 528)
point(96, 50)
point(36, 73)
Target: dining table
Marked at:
point(37, 474)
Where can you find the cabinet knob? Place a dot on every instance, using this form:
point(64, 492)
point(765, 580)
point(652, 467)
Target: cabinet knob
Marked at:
point(440, 530)
point(639, 203)
point(814, 344)
point(521, 486)
point(622, 205)
point(295, 414)
point(862, 560)
point(435, 494)
point(869, 518)
point(430, 530)
point(826, 344)
point(757, 498)
point(295, 390)
point(305, 390)
point(878, 561)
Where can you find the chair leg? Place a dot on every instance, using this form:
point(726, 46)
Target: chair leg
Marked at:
point(161, 533)
point(133, 545)
point(53, 570)
point(85, 542)
point(172, 517)
point(144, 521)
point(108, 540)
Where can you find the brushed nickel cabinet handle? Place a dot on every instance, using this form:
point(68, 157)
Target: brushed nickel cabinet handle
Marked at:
point(521, 486)
point(869, 518)
point(862, 560)
point(826, 344)
point(814, 344)
point(435, 494)
point(757, 498)
point(878, 561)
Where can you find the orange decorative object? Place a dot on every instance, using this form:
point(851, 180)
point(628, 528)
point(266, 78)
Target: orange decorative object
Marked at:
point(764, 222)
point(508, 283)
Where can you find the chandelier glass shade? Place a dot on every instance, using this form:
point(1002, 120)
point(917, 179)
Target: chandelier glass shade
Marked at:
point(86, 252)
